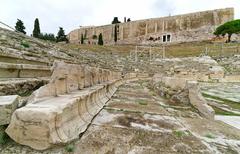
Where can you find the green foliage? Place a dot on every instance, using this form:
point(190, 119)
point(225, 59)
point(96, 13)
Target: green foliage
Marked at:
point(115, 20)
point(94, 37)
point(46, 36)
point(82, 39)
point(69, 148)
point(25, 44)
point(36, 30)
point(231, 27)
point(219, 111)
point(210, 136)
point(3, 136)
point(179, 133)
point(100, 39)
point(20, 26)
point(142, 102)
point(115, 33)
point(61, 35)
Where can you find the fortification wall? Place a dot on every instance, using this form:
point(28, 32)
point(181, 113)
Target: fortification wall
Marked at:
point(180, 28)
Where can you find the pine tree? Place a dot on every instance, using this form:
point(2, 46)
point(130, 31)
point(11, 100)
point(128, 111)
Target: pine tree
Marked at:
point(115, 33)
point(100, 39)
point(36, 30)
point(20, 26)
point(61, 35)
point(231, 27)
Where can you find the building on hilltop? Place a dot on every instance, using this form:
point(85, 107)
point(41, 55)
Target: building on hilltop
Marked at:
point(172, 29)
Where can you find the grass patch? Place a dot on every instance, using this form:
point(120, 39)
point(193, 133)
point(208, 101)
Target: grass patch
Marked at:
point(222, 112)
point(4, 138)
point(232, 104)
point(211, 136)
point(178, 133)
point(142, 102)
point(25, 44)
point(69, 148)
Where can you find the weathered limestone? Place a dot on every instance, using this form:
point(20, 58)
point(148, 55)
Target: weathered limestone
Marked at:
point(181, 28)
point(198, 101)
point(8, 104)
point(9, 70)
point(59, 111)
point(175, 86)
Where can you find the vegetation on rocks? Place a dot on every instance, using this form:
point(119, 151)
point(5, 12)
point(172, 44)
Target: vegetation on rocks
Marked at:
point(3, 136)
point(69, 148)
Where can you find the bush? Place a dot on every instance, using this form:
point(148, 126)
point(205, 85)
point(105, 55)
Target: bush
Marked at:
point(25, 44)
point(69, 148)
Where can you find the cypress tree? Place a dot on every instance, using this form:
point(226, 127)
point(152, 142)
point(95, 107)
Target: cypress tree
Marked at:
point(82, 39)
point(20, 26)
point(36, 30)
point(100, 39)
point(115, 33)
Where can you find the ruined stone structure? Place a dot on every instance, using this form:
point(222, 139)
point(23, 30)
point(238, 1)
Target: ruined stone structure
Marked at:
point(172, 29)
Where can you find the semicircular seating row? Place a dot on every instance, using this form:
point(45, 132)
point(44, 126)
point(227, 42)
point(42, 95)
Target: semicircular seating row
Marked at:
point(61, 110)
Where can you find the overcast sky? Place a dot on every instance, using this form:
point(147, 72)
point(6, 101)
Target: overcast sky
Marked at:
point(70, 14)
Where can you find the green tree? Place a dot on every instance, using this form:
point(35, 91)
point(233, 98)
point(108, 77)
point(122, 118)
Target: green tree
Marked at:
point(115, 20)
point(100, 39)
point(20, 26)
point(46, 36)
point(36, 30)
point(231, 27)
point(61, 35)
point(115, 33)
point(82, 39)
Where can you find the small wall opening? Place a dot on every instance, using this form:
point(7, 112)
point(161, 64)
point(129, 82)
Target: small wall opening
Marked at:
point(166, 38)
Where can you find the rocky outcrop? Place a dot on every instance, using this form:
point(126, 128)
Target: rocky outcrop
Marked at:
point(198, 101)
point(61, 110)
point(8, 104)
point(184, 91)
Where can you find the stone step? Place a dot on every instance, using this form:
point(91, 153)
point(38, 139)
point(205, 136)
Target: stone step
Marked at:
point(19, 56)
point(21, 86)
point(10, 70)
point(61, 110)
point(61, 119)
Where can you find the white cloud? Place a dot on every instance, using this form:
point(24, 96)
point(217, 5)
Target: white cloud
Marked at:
point(71, 14)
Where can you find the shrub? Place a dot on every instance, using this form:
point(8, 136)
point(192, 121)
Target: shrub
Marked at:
point(69, 148)
point(25, 44)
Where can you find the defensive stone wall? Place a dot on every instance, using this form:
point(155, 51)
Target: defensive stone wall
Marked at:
point(172, 29)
